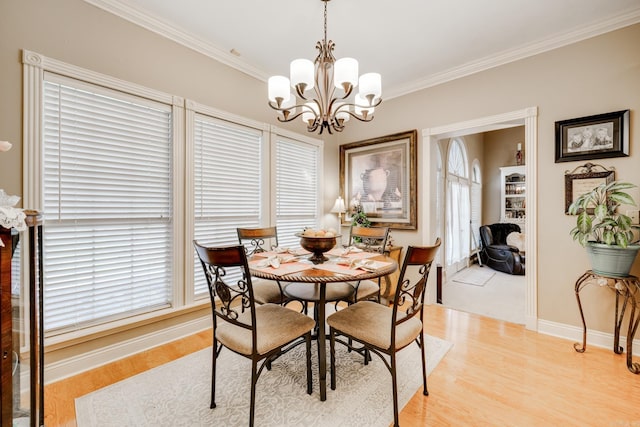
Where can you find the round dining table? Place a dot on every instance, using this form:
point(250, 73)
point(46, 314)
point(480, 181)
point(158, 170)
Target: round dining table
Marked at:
point(317, 276)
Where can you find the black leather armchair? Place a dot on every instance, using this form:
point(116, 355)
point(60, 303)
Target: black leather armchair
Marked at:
point(496, 253)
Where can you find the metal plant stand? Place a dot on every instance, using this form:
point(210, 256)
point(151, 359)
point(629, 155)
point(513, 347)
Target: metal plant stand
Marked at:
point(626, 289)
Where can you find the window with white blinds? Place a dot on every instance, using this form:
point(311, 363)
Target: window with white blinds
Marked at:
point(107, 168)
point(227, 184)
point(476, 206)
point(127, 176)
point(297, 189)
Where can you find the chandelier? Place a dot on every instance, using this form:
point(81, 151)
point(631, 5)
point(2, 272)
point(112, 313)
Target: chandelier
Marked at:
point(330, 104)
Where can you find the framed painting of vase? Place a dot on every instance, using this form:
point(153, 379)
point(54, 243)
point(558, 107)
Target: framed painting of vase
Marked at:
point(378, 176)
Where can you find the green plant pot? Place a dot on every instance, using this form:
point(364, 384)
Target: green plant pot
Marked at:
point(612, 260)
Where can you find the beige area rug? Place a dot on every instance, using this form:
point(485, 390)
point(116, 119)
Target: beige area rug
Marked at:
point(178, 393)
point(475, 277)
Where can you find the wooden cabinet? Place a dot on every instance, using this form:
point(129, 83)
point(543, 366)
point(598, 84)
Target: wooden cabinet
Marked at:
point(513, 186)
point(21, 354)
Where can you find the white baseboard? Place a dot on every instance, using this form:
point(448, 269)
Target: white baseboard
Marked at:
point(574, 333)
point(90, 360)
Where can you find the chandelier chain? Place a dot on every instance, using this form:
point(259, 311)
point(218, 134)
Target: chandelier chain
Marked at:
point(325, 20)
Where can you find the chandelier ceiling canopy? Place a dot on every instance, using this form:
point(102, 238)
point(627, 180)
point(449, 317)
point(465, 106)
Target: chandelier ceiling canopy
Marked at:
point(323, 90)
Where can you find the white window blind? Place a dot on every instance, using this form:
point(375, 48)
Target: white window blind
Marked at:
point(297, 189)
point(227, 184)
point(476, 208)
point(107, 204)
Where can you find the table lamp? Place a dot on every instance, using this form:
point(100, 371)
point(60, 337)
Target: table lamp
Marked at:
point(339, 208)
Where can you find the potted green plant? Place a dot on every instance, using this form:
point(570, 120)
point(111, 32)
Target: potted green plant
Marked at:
point(359, 217)
point(606, 233)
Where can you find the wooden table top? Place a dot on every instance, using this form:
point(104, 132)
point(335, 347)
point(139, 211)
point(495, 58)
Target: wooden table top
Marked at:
point(316, 274)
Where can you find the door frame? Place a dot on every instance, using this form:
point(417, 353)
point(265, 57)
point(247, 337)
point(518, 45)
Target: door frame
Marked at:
point(528, 118)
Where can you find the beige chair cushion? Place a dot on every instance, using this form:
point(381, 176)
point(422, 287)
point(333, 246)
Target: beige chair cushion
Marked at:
point(370, 322)
point(276, 326)
point(266, 291)
point(367, 289)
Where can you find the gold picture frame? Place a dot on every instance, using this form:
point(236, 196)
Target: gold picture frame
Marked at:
point(379, 174)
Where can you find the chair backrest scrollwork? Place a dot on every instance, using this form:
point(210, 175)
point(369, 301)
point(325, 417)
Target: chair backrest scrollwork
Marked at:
point(409, 297)
point(234, 295)
point(369, 238)
point(254, 238)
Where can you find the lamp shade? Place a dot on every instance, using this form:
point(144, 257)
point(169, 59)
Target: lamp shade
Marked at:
point(345, 71)
point(301, 71)
point(371, 84)
point(338, 206)
point(278, 87)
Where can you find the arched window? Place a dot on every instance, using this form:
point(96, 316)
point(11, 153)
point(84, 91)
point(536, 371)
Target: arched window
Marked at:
point(458, 212)
point(476, 204)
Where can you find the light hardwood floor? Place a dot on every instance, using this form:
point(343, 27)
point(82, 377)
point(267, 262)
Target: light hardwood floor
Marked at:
point(496, 374)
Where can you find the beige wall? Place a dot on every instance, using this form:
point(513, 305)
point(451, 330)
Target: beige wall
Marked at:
point(499, 150)
point(598, 75)
point(568, 82)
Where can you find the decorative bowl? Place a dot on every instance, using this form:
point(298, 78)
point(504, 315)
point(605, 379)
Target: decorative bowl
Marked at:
point(318, 245)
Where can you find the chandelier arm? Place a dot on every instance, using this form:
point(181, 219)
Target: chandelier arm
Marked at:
point(312, 127)
point(288, 118)
point(368, 117)
point(346, 94)
point(300, 93)
point(304, 108)
point(378, 102)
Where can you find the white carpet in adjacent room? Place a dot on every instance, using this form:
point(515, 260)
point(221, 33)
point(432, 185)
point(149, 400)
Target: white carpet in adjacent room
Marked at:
point(502, 296)
point(178, 393)
point(474, 276)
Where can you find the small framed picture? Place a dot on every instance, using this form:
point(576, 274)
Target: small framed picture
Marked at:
point(582, 180)
point(593, 137)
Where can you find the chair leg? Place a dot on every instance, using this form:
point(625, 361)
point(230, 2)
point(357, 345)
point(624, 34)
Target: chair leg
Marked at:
point(423, 350)
point(307, 338)
point(254, 380)
point(213, 373)
point(332, 352)
point(394, 382)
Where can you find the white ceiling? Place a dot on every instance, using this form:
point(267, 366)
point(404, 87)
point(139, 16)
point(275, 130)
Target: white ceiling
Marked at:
point(414, 44)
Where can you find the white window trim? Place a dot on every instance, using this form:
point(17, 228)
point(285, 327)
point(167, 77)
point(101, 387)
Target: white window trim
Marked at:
point(34, 67)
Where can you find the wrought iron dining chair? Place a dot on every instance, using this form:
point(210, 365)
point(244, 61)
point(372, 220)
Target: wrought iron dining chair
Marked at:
point(254, 239)
point(386, 330)
point(371, 239)
point(259, 332)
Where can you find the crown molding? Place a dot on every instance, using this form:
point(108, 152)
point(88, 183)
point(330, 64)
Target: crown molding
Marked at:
point(178, 35)
point(511, 55)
